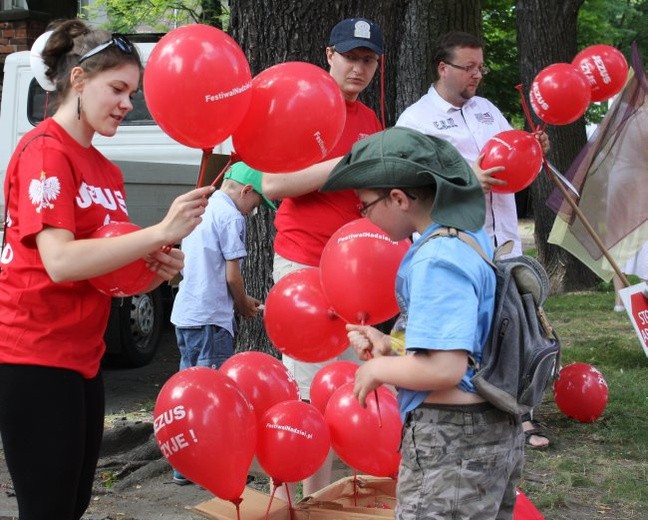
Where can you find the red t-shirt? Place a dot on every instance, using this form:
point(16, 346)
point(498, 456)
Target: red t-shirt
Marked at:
point(304, 224)
point(54, 181)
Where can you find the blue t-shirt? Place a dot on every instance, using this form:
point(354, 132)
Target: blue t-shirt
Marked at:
point(446, 294)
point(203, 297)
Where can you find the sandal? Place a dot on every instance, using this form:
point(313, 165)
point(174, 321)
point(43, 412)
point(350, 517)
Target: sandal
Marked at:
point(538, 431)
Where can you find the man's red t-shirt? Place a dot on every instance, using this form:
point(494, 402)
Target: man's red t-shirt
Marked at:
point(54, 181)
point(304, 224)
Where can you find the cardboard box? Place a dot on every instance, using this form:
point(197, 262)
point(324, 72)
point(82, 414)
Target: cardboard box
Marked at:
point(372, 498)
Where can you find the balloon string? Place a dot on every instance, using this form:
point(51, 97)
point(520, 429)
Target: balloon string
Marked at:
point(237, 504)
point(370, 356)
point(47, 94)
point(290, 507)
point(272, 495)
point(203, 166)
point(233, 159)
point(382, 90)
point(355, 488)
point(525, 109)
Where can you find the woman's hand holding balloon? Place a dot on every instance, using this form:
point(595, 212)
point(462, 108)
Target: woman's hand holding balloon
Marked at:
point(166, 263)
point(184, 214)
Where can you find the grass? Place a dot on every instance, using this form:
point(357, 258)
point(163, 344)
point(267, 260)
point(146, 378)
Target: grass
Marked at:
point(599, 469)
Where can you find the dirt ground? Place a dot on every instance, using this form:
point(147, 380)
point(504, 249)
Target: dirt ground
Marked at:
point(133, 482)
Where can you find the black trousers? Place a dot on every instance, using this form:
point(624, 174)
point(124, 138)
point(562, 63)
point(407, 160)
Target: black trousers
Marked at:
point(51, 422)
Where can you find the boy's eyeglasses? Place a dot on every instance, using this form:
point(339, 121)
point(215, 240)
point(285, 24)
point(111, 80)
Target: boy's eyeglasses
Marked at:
point(363, 208)
point(118, 40)
point(470, 69)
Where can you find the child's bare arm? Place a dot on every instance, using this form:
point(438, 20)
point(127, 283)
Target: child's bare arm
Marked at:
point(245, 305)
point(422, 371)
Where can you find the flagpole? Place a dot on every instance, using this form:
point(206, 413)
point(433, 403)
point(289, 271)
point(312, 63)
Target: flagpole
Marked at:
point(567, 196)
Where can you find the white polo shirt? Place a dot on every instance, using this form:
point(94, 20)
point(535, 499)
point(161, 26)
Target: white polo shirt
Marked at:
point(468, 128)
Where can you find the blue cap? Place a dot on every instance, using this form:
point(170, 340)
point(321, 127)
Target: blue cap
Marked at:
point(356, 32)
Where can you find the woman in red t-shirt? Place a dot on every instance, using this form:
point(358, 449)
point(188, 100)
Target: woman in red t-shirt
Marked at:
point(58, 190)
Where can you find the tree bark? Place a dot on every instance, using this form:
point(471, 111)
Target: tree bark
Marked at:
point(547, 32)
point(277, 31)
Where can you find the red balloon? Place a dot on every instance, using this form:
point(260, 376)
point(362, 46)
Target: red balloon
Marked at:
point(560, 94)
point(207, 430)
point(358, 270)
point(364, 439)
point(581, 392)
point(197, 85)
point(299, 320)
point(293, 441)
point(605, 68)
point(263, 379)
point(328, 379)
point(296, 117)
point(524, 508)
point(128, 280)
point(519, 152)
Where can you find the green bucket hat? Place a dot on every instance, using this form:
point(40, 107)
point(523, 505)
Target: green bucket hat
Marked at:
point(243, 174)
point(403, 158)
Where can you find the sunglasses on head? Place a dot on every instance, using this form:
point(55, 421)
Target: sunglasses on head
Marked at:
point(118, 40)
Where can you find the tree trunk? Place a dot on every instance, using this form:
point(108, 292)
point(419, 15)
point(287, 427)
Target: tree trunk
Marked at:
point(547, 34)
point(422, 22)
point(272, 32)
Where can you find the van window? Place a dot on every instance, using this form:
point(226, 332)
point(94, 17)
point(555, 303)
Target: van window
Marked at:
point(37, 99)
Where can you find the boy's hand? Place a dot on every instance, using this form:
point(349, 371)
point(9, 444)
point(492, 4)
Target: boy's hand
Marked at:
point(365, 381)
point(368, 341)
point(249, 307)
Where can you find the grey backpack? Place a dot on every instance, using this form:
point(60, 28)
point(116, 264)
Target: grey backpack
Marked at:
point(521, 356)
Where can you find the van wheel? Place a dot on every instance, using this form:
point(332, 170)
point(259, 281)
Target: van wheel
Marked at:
point(140, 322)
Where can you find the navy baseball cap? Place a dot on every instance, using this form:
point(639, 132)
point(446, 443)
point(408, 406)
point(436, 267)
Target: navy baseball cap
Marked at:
point(356, 32)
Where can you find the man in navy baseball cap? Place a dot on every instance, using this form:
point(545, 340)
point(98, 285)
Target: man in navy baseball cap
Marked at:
point(356, 32)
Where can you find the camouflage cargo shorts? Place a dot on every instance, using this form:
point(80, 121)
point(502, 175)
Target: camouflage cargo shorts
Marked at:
point(459, 462)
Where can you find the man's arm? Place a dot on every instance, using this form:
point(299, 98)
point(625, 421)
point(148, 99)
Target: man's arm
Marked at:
point(281, 185)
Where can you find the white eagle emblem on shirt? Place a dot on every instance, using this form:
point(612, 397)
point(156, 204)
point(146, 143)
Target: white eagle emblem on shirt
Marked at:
point(44, 191)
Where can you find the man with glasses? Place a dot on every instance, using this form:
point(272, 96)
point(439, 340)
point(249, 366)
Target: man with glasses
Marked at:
point(452, 110)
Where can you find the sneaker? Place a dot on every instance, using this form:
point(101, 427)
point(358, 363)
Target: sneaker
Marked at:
point(619, 308)
point(180, 479)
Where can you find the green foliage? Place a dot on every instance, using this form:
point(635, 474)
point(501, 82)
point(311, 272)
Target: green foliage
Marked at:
point(594, 469)
point(501, 55)
point(613, 22)
point(130, 16)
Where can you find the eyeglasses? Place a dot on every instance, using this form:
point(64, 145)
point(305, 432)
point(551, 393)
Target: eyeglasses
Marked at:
point(118, 40)
point(470, 69)
point(363, 208)
point(365, 60)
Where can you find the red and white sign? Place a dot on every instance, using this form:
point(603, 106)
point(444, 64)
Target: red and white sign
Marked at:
point(635, 300)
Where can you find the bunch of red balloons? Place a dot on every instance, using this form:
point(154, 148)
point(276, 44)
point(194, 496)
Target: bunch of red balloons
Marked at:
point(561, 93)
point(209, 424)
point(307, 310)
point(128, 280)
point(581, 392)
point(199, 88)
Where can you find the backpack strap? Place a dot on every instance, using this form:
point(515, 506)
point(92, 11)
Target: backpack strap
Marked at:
point(464, 237)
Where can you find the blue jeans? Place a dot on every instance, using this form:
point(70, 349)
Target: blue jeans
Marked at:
point(206, 346)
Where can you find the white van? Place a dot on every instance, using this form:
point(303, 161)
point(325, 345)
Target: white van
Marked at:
point(156, 170)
